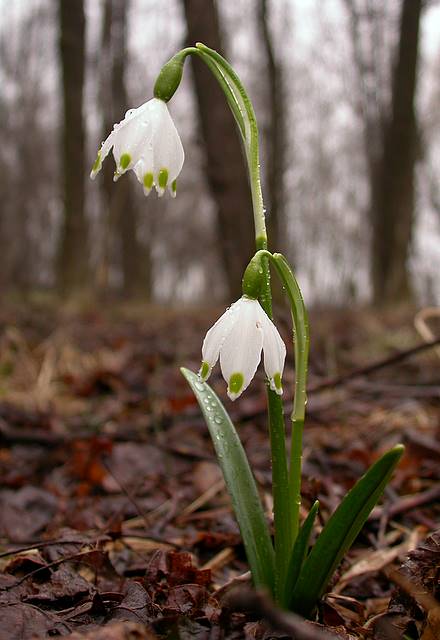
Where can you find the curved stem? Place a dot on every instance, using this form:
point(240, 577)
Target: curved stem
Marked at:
point(283, 508)
point(244, 114)
point(252, 147)
point(224, 84)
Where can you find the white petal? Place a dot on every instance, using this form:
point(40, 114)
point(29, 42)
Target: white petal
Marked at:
point(274, 351)
point(134, 136)
point(241, 350)
point(149, 139)
point(121, 137)
point(168, 149)
point(144, 172)
point(216, 336)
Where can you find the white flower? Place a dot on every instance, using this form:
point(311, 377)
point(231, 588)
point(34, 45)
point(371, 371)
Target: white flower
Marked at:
point(146, 141)
point(238, 337)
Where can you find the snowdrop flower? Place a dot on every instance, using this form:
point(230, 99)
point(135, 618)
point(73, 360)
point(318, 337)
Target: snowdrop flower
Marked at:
point(146, 141)
point(238, 337)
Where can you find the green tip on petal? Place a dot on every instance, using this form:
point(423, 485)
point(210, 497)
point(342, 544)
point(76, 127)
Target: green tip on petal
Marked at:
point(235, 386)
point(163, 178)
point(174, 187)
point(278, 387)
point(97, 164)
point(124, 161)
point(204, 370)
point(148, 180)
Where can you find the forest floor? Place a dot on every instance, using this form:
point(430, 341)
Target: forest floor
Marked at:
point(114, 519)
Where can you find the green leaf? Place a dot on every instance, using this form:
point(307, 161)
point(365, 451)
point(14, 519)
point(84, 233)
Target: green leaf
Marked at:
point(239, 481)
point(299, 553)
point(227, 87)
point(340, 532)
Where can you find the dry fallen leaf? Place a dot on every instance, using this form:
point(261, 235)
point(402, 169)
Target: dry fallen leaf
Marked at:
point(377, 559)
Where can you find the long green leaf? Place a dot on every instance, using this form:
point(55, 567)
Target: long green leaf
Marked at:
point(239, 481)
point(299, 553)
point(340, 532)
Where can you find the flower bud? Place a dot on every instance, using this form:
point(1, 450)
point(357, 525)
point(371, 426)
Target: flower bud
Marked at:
point(169, 77)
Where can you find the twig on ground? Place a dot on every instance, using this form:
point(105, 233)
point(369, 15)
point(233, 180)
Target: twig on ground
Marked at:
point(372, 368)
point(259, 604)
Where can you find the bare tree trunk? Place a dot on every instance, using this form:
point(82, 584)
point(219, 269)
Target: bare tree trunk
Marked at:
point(370, 101)
point(72, 265)
point(275, 133)
point(121, 205)
point(226, 170)
point(108, 119)
point(393, 191)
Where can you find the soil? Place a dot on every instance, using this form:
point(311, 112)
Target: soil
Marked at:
point(114, 520)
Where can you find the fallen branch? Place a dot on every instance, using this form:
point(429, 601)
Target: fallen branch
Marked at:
point(337, 381)
point(247, 600)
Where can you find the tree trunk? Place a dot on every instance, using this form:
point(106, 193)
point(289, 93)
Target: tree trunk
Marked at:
point(72, 271)
point(393, 185)
point(275, 134)
point(120, 201)
point(225, 164)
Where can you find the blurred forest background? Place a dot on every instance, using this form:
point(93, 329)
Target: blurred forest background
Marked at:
point(346, 94)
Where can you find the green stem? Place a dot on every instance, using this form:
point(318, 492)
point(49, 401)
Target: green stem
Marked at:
point(280, 477)
point(282, 499)
point(244, 114)
point(299, 410)
point(301, 346)
point(295, 472)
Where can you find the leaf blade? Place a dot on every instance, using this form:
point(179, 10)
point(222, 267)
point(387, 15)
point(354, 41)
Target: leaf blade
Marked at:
point(341, 531)
point(299, 553)
point(239, 481)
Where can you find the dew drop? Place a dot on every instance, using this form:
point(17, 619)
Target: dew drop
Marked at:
point(218, 419)
point(199, 386)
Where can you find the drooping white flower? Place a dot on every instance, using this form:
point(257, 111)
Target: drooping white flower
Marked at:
point(237, 338)
point(146, 141)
